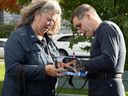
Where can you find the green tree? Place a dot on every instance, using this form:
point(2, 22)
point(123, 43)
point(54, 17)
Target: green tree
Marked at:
point(114, 10)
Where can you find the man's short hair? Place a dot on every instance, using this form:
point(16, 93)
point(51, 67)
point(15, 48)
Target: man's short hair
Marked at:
point(80, 11)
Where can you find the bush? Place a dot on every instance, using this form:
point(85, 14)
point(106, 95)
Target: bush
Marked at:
point(124, 27)
point(126, 40)
point(5, 30)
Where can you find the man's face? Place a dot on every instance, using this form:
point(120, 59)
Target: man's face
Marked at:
point(83, 26)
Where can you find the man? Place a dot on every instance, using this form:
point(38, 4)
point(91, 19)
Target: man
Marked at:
point(108, 52)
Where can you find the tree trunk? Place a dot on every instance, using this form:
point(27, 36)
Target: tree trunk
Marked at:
point(1, 17)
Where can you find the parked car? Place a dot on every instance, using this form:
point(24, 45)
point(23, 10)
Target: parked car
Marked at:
point(63, 41)
point(2, 43)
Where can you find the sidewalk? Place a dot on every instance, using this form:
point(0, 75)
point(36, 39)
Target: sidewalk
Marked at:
point(60, 94)
point(1, 61)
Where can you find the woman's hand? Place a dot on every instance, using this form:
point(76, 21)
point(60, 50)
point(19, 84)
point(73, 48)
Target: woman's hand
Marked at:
point(52, 71)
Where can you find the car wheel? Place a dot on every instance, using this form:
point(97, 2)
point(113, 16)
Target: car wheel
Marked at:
point(63, 53)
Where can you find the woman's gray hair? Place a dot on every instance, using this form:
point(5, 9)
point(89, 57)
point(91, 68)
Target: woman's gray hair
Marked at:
point(28, 12)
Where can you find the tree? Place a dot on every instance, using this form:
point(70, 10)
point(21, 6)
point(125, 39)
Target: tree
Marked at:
point(115, 10)
point(9, 5)
point(1, 16)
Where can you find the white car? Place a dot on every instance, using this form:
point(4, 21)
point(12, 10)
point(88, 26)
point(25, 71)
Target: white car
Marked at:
point(2, 43)
point(63, 41)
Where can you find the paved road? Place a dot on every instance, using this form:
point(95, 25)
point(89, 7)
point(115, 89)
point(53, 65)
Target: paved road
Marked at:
point(70, 95)
point(1, 61)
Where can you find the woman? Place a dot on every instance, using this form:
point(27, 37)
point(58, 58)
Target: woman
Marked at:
point(30, 53)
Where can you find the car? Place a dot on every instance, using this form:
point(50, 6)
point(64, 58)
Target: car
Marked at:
point(2, 43)
point(62, 41)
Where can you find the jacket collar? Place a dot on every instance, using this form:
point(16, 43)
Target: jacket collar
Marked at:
point(31, 34)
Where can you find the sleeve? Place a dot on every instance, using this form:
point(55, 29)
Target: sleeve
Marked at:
point(108, 39)
point(15, 55)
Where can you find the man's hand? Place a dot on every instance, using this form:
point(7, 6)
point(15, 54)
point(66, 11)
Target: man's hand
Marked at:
point(71, 63)
point(69, 66)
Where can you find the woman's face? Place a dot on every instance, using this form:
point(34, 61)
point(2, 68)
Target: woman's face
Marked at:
point(44, 22)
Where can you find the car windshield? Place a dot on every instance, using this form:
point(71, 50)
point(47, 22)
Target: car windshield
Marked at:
point(65, 38)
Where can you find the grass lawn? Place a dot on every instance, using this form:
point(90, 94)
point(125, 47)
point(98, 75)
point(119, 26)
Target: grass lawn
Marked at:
point(72, 91)
point(2, 70)
point(63, 90)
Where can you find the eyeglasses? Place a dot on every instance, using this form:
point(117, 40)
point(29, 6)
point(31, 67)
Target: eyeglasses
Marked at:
point(50, 20)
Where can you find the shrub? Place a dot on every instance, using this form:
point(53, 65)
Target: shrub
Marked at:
point(5, 30)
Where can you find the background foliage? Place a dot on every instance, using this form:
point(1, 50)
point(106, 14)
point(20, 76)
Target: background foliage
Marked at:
point(114, 10)
point(5, 30)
